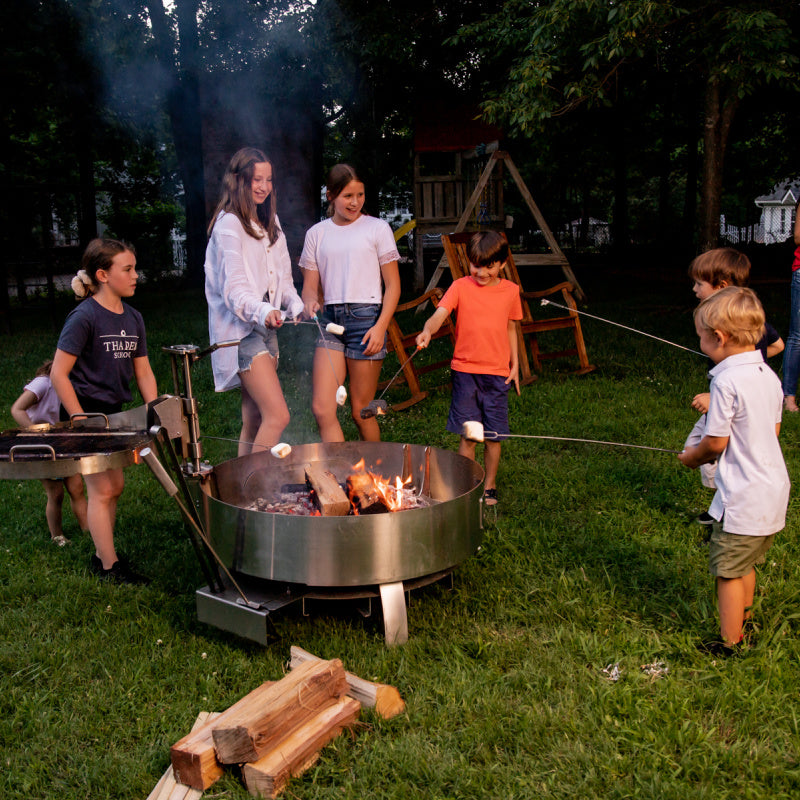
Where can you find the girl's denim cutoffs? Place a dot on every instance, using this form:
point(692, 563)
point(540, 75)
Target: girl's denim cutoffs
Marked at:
point(356, 319)
point(259, 340)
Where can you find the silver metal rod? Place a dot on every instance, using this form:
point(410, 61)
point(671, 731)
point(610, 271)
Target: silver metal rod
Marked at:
point(327, 351)
point(493, 435)
point(394, 377)
point(546, 302)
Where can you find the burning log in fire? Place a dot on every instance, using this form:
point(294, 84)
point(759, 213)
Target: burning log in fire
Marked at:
point(363, 492)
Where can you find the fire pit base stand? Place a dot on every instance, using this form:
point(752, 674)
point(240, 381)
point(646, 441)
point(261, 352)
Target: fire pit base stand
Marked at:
point(227, 611)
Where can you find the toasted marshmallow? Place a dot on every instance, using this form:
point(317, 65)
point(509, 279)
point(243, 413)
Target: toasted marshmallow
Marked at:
point(332, 327)
point(341, 396)
point(472, 431)
point(281, 450)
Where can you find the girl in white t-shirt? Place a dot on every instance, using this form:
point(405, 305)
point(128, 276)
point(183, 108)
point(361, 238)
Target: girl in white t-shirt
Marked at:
point(248, 281)
point(349, 263)
point(37, 404)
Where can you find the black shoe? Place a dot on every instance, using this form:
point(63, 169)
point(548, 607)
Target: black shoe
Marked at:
point(722, 650)
point(119, 572)
point(705, 519)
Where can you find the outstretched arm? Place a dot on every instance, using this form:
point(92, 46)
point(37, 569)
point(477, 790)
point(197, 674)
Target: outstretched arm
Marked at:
point(434, 322)
point(708, 449)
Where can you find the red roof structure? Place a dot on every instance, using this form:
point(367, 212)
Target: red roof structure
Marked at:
point(443, 128)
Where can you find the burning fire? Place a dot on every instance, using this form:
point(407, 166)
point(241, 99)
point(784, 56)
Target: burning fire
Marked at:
point(390, 493)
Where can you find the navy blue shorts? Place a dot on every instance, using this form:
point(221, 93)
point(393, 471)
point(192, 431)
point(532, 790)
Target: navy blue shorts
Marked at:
point(479, 398)
point(356, 319)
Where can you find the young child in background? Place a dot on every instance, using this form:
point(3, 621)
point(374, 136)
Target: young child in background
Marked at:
point(101, 347)
point(248, 281)
point(485, 358)
point(711, 271)
point(38, 404)
point(741, 433)
point(345, 259)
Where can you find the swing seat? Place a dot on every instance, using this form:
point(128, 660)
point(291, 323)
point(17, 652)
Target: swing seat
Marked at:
point(455, 248)
point(404, 343)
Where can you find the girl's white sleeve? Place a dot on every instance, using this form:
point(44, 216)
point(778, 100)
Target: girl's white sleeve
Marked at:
point(239, 294)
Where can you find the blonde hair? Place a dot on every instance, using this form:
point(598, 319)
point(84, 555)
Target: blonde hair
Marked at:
point(736, 311)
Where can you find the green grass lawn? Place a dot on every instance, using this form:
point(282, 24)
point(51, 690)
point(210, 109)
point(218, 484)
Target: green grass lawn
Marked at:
point(592, 561)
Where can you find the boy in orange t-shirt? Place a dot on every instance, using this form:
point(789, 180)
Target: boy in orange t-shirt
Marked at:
point(485, 359)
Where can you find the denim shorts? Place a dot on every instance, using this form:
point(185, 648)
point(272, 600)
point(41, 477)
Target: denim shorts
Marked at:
point(356, 319)
point(479, 398)
point(260, 340)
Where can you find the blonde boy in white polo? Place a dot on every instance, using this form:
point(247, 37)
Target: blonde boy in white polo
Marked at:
point(742, 427)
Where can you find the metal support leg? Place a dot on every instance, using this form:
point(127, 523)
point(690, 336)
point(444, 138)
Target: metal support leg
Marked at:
point(395, 619)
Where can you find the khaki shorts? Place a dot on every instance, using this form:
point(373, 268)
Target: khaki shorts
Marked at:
point(731, 555)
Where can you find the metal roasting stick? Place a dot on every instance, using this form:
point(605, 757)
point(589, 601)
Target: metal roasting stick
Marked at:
point(546, 302)
point(330, 360)
point(379, 405)
point(495, 435)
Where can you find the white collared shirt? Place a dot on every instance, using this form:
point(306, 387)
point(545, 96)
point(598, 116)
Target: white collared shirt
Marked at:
point(246, 278)
point(752, 481)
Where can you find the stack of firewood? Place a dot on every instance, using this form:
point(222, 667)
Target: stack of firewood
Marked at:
point(275, 732)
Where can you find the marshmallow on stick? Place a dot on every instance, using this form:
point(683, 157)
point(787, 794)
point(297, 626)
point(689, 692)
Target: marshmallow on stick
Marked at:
point(281, 450)
point(341, 396)
point(332, 327)
point(472, 431)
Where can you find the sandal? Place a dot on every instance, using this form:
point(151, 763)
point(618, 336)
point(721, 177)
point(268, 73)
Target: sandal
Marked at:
point(61, 541)
point(490, 497)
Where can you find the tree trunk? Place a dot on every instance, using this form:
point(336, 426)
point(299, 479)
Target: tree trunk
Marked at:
point(183, 106)
point(720, 109)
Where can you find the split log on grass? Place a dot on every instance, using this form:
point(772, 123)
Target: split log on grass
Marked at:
point(328, 495)
point(386, 700)
point(168, 788)
point(366, 496)
point(252, 726)
point(296, 752)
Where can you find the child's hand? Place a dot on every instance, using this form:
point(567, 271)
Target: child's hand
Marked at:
point(687, 458)
point(374, 340)
point(310, 308)
point(700, 402)
point(274, 319)
point(513, 375)
point(423, 339)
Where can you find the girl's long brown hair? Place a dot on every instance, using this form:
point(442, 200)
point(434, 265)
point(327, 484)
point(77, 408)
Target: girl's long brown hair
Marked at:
point(237, 196)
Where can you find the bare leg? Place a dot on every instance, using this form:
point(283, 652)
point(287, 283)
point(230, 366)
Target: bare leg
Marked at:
point(363, 385)
point(323, 399)
point(732, 594)
point(55, 497)
point(265, 414)
point(466, 448)
point(77, 499)
point(104, 489)
point(491, 462)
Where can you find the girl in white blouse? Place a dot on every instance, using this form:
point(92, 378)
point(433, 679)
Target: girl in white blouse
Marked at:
point(248, 282)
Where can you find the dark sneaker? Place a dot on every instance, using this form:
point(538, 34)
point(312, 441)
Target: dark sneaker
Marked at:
point(705, 519)
point(721, 649)
point(119, 572)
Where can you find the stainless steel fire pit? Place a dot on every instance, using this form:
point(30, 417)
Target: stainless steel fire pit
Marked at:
point(316, 556)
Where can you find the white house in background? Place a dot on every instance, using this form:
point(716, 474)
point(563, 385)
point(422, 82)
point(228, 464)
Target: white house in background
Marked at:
point(777, 211)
